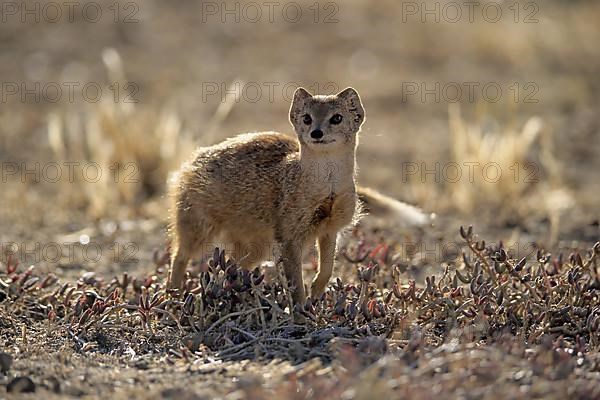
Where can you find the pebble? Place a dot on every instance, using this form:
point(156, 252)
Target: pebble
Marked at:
point(22, 384)
point(5, 362)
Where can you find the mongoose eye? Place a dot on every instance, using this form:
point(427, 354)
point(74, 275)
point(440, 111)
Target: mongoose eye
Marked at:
point(307, 119)
point(336, 119)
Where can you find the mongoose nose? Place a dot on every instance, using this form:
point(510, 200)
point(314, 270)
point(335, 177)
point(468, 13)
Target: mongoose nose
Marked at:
point(316, 134)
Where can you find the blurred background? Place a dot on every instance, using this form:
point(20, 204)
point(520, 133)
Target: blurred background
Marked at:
point(485, 114)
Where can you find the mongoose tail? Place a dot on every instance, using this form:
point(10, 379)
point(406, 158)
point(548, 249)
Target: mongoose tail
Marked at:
point(379, 204)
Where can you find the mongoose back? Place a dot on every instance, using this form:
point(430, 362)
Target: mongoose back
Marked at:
point(259, 189)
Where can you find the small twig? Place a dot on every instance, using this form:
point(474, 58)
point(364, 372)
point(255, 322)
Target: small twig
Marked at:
point(251, 336)
point(233, 314)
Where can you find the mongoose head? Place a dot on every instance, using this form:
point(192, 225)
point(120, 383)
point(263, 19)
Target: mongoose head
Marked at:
point(327, 122)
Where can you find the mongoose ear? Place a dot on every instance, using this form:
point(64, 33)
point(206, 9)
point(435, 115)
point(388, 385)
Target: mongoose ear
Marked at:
point(352, 100)
point(298, 103)
point(348, 93)
point(301, 94)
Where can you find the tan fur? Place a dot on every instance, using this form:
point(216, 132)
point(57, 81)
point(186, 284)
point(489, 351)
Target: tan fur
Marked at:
point(262, 189)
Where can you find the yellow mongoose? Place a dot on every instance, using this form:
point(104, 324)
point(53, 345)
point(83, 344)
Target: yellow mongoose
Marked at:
point(257, 189)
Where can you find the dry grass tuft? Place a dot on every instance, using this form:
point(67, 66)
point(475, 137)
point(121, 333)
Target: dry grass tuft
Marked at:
point(522, 177)
point(134, 148)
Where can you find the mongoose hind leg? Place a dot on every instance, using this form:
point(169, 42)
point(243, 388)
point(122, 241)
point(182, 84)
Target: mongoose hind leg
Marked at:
point(190, 236)
point(326, 246)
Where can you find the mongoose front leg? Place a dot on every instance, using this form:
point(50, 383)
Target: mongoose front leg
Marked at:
point(292, 266)
point(326, 247)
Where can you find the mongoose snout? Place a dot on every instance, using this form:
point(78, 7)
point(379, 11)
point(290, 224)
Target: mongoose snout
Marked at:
point(316, 134)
